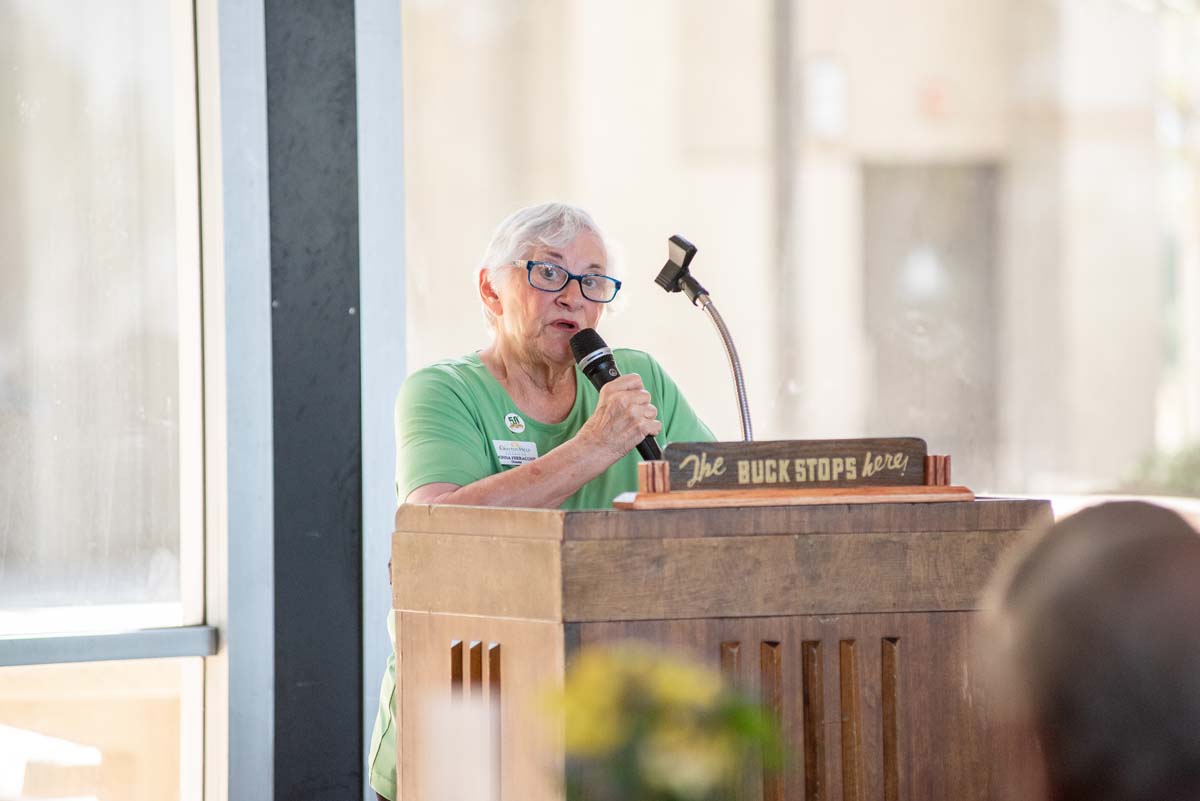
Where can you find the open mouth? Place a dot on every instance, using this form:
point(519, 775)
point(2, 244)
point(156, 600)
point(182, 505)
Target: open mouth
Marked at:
point(565, 325)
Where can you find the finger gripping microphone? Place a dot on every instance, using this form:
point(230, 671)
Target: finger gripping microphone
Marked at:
point(595, 360)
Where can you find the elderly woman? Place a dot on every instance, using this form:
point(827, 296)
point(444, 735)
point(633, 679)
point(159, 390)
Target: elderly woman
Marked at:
point(516, 424)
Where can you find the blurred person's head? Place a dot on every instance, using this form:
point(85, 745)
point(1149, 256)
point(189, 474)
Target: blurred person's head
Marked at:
point(1099, 618)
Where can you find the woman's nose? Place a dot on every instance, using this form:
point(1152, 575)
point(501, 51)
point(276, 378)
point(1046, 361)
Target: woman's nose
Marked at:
point(572, 293)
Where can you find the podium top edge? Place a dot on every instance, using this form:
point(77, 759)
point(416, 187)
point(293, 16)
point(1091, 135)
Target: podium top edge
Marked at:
point(982, 514)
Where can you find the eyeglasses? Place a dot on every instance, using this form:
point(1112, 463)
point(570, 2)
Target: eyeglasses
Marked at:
point(551, 278)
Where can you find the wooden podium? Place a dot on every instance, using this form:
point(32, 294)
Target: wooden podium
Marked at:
point(854, 623)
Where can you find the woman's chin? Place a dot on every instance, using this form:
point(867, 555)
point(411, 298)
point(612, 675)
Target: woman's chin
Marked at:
point(558, 350)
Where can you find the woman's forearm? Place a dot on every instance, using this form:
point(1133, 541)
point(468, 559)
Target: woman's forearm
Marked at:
point(543, 483)
point(624, 416)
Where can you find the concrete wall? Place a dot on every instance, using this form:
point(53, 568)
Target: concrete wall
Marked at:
point(666, 118)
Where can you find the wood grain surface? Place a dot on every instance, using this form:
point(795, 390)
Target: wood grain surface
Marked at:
point(462, 574)
point(853, 622)
point(899, 694)
point(772, 560)
point(497, 521)
point(528, 749)
point(984, 514)
point(771, 575)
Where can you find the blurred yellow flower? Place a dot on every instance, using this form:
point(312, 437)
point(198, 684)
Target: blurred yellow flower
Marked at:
point(676, 682)
point(642, 724)
point(689, 761)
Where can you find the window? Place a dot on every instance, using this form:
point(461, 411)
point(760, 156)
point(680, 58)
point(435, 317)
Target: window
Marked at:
point(101, 730)
point(101, 482)
point(99, 304)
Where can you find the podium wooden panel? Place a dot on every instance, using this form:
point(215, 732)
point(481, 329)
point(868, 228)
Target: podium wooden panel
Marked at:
point(854, 622)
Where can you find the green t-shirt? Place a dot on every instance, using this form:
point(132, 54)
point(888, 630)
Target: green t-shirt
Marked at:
point(456, 424)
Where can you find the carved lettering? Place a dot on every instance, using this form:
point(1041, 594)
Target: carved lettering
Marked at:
point(873, 464)
point(701, 468)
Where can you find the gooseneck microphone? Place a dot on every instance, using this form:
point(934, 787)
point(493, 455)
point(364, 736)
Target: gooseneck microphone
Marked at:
point(595, 360)
point(676, 277)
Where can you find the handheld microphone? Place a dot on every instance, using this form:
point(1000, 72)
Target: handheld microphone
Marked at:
point(595, 360)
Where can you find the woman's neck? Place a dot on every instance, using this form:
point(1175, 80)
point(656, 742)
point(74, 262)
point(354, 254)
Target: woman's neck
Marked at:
point(540, 388)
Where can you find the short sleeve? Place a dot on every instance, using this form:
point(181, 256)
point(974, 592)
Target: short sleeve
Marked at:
point(438, 434)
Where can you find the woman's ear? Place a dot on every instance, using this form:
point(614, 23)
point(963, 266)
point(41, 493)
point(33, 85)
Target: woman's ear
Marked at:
point(488, 293)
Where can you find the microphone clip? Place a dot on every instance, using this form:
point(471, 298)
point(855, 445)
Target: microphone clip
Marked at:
point(675, 275)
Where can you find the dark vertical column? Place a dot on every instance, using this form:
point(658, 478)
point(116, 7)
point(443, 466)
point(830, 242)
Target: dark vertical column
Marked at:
point(312, 151)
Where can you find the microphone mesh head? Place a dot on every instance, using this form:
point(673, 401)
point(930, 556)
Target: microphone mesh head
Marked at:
point(585, 342)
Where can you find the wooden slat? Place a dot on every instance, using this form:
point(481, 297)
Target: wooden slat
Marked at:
point(770, 663)
point(809, 574)
point(731, 662)
point(813, 719)
point(494, 676)
point(496, 709)
point(476, 671)
point(707, 499)
point(852, 758)
point(889, 708)
point(456, 669)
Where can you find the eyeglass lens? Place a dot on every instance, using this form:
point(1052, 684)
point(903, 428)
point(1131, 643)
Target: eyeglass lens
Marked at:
point(552, 278)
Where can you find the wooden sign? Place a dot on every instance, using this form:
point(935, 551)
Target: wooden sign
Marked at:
point(798, 464)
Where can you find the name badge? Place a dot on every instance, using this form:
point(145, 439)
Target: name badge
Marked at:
point(512, 453)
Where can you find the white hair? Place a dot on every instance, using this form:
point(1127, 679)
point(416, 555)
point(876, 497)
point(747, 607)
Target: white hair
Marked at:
point(552, 225)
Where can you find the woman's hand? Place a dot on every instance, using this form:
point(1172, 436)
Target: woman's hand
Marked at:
point(623, 418)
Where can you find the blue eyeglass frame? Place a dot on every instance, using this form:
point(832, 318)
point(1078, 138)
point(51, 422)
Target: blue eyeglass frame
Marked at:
point(529, 264)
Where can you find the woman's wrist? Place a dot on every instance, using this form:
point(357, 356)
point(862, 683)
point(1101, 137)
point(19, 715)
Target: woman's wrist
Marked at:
point(593, 450)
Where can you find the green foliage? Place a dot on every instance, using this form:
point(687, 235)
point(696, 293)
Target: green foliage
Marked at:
point(1161, 473)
